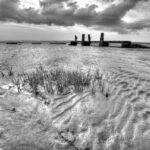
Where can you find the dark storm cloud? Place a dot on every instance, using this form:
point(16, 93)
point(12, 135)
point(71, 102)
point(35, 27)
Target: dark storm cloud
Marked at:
point(138, 25)
point(54, 12)
point(105, 1)
point(111, 16)
point(9, 12)
point(114, 13)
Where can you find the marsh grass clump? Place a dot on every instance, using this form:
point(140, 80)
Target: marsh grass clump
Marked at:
point(61, 81)
point(19, 81)
point(100, 82)
point(6, 71)
point(58, 80)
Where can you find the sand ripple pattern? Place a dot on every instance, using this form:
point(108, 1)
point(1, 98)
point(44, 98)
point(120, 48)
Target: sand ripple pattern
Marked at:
point(121, 121)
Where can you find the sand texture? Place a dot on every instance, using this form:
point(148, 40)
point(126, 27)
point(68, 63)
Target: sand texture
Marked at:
point(83, 121)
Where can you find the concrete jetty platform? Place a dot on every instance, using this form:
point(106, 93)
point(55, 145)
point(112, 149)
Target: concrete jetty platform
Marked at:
point(103, 43)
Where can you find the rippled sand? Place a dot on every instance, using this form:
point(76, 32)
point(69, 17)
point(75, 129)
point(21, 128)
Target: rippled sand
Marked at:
point(80, 121)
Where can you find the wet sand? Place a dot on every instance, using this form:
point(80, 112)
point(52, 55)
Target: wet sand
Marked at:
point(118, 122)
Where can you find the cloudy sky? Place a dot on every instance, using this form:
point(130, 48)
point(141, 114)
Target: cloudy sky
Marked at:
point(62, 19)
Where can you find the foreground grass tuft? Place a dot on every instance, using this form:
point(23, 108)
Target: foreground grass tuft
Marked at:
point(58, 80)
point(61, 80)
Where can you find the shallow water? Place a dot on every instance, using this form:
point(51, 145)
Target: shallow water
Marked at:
point(28, 56)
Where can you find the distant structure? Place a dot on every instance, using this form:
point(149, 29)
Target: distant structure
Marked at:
point(126, 44)
point(11, 42)
point(89, 39)
point(86, 43)
point(103, 43)
point(76, 38)
point(83, 39)
point(102, 37)
point(129, 44)
point(75, 42)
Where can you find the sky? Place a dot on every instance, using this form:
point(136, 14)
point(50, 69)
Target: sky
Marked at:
point(62, 19)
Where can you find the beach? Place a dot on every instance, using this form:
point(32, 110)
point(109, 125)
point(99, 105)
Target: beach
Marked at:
point(116, 117)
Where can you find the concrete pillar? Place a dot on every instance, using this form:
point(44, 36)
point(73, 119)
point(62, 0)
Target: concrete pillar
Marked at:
point(76, 38)
point(101, 39)
point(103, 43)
point(74, 42)
point(83, 39)
point(89, 38)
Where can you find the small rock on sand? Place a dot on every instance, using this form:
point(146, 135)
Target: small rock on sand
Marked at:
point(2, 91)
point(1, 131)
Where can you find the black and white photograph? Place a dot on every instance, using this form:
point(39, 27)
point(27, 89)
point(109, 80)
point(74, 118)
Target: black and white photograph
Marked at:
point(74, 74)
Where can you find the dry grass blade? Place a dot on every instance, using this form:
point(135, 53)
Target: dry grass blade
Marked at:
point(10, 71)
